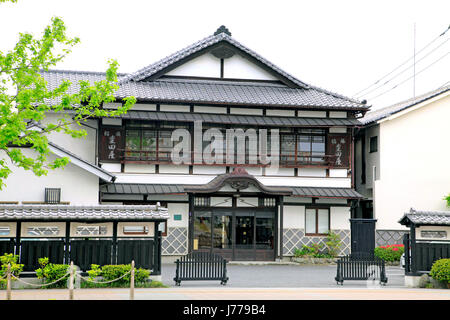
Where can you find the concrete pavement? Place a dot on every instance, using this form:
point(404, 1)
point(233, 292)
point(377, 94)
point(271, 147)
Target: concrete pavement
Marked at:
point(229, 293)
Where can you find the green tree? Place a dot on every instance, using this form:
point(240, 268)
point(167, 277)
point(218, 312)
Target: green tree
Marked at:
point(25, 97)
point(448, 200)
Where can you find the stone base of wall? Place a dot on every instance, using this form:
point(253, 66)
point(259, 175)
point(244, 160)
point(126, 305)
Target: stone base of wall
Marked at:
point(314, 260)
point(296, 238)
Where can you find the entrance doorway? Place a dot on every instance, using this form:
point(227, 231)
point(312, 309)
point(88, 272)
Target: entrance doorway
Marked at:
point(244, 234)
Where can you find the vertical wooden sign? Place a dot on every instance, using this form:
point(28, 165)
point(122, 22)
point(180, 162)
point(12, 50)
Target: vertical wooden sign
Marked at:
point(338, 148)
point(111, 144)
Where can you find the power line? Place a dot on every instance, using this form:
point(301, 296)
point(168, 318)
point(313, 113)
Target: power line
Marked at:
point(398, 84)
point(387, 81)
point(401, 65)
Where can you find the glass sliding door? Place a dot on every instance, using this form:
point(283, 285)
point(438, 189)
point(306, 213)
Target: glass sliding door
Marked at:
point(202, 230)
point(222, 230)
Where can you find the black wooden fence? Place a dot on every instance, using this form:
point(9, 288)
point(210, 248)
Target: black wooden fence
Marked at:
point(420, 255)
point(146, 252)
point(201, 266)
point(361, 266)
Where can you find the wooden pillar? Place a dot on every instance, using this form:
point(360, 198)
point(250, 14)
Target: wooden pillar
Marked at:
point(114, 243)
point(413, 250)
point(18, 232)
point(191, 223)
point(67, 243)
point(281, 204)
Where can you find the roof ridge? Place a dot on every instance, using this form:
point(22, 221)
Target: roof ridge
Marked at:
point(78, 72)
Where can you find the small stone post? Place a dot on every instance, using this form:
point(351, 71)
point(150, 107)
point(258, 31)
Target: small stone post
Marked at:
point(8, 283)
point(132, 281)
point(71, 278)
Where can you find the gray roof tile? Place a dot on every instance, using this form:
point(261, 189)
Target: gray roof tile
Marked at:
point(382, 113)
point(69, 212)
point(426, 218)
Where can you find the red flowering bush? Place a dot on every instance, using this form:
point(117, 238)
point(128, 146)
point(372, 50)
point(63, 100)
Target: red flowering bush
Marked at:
point(391, 252)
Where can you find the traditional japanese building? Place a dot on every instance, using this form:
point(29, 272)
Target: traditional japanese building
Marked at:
point(401, 161)
point(213, 97)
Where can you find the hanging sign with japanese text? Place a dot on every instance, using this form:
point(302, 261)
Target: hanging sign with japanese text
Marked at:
point(111, 144)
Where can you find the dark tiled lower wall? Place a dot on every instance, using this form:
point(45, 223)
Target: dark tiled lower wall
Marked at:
point(385, 237)
point(295, 238)
point(176, 242)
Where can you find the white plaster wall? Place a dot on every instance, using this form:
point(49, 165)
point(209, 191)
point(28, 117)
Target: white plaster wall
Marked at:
point(208, 170)
point(312, 114)
point(139, 168)
point(238, 67)
point(221, 201)
point(203, 109)
point(108, 225)
point(294, 217)
point(338, 130)
point(246, 111)
point(339, 218)
point(111, 167)
point(77, 185)
point(12, 229)
point(83, 147)
point(174, 108)
point(205, 65)
point(373, 159)
point(338, 173)
point(111, 122)
point(144, 107)
point(173, 169)
point(414, 157)
point(306, 182)
point(26, 225)
point(178, 208)
point(338, 114)
point(281, 113)
point(432, 228)
point(247, 202)
point(311, 172)
point(149, 225)
point(280, 171)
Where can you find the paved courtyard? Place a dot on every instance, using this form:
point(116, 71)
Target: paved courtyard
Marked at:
point(281, 276)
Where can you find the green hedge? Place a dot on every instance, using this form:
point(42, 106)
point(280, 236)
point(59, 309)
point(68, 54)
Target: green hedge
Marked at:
point(112, 272)
point(51, 272)
point(441, 270)
point(391, 252)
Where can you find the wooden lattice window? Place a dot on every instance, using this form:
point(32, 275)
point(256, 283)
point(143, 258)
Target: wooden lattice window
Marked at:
point(52, 195)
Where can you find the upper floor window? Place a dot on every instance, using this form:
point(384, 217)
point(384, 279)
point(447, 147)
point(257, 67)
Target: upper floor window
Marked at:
point(373, 147)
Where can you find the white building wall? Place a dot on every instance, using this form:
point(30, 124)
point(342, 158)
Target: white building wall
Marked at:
point(414, 157)
point(78, 186)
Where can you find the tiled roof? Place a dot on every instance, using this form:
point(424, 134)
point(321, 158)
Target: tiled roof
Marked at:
point(323, 192)
point(319, 192)
point(200, 45)
point(426, 218)
point(69, 212)
point(240, 119)
point(382, 113)
point(211, 92)
point(134, 188)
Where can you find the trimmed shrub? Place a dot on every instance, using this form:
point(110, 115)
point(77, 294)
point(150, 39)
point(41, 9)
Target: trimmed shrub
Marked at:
point(112, 272)
point(9, 258)
point(391, 252)
point(440, 270)
point(51, 272)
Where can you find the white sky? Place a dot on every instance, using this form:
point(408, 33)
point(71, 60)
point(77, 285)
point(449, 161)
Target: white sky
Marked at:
point(343, 46)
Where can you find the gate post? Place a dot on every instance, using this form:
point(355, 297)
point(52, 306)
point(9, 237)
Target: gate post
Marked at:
point(8, 283)
point(132, 281)
point(71, 281)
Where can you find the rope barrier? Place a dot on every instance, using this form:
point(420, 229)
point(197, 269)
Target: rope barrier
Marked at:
point(102, 282)
point(41, 285)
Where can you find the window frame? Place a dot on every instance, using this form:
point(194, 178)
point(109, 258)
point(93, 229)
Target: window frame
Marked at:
point(373, 147)
point(316, 233)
